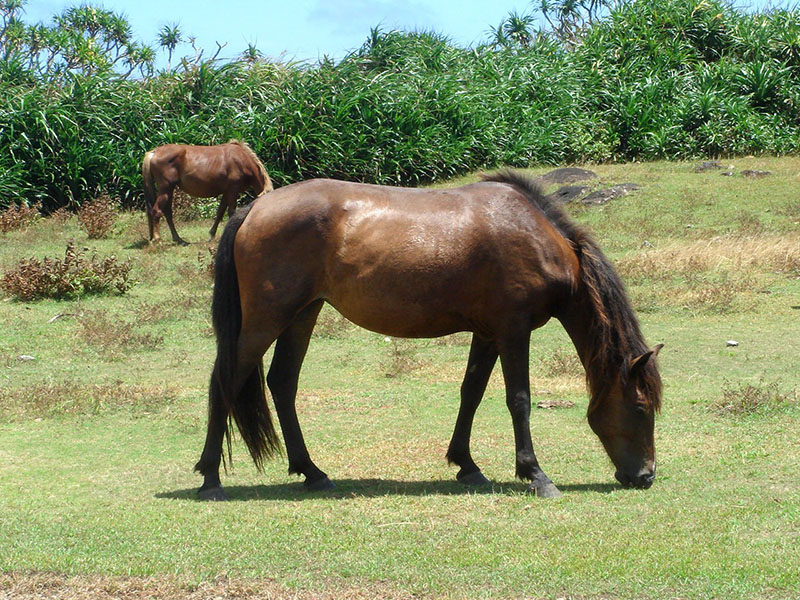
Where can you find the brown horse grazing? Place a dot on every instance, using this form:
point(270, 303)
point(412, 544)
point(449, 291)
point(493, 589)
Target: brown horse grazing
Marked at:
point(495, 258)
point(201, 171)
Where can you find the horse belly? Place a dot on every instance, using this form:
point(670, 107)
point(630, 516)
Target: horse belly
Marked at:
point(405, 302)
point(398, 320)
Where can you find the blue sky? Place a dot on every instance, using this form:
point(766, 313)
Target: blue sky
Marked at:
point(298, 29)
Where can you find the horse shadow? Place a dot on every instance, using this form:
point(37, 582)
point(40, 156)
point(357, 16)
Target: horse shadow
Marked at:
point(376, 488)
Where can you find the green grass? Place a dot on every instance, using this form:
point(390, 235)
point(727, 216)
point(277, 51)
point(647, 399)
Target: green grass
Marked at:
point(97, 445)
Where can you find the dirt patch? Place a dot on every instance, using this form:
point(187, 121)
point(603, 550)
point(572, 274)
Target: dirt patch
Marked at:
point(24, 586)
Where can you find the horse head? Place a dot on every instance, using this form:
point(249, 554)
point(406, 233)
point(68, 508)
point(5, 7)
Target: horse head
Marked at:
point(625, 420)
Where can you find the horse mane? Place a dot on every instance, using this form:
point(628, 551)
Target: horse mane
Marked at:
point(615, 326)
point(244, 146)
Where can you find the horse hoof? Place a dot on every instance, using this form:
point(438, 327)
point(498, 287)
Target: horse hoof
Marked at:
point(474, 479)
point(319, 485)
point(544, 490)
point(215, 494)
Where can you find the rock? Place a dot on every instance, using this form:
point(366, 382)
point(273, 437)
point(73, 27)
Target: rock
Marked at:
point(755, 174)
point(567, 175)
point(707, 165)
point(603, 196)
point(555, 404)
point(568, 193)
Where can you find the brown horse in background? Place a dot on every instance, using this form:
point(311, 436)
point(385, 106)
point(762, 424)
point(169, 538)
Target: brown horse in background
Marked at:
point(200, 171)
point(495, 258)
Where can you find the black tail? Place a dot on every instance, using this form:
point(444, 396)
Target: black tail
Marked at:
point(248, 406)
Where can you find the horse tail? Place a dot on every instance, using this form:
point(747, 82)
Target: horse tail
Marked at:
point(267, 186)
point(248, 406)
point(147, 179)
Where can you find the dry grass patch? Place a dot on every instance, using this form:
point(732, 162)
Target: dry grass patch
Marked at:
point(112, 336)
point(74, 398)
point(773, 253)
point(174, 307)
point(721, 275)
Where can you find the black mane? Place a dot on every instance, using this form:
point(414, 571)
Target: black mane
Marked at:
point(615, 327)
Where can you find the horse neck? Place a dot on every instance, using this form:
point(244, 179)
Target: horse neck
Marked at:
point(589, 329)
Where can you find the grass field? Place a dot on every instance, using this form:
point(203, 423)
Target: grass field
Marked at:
point(100, 430)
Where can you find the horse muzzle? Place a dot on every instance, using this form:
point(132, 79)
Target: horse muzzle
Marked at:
point(641, 480)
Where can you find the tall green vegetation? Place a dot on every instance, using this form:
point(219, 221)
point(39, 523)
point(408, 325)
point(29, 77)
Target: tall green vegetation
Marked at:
point(633, 80)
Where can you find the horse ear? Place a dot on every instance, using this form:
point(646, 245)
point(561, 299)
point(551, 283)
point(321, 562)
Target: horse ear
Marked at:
point(640, 361)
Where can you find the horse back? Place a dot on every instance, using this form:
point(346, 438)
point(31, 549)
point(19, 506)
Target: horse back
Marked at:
point(205, 171)
point(408, 262)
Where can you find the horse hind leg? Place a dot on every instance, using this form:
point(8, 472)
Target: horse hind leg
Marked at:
point(163, 206)
point(284, 372)
point(217, 428)
point(247, 387)
point(482, 358)
point(228, 200)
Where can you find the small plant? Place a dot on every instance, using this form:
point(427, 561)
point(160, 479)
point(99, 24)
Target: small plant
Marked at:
point(184, 207)
point(748, 399)
point(61, 216)
point(207, 261)
point(72, 277)
point(18, 216)
point(200, 272)
point(562, 362)
point(401, 359)
point(98, 216)
point(188, 208)
point(331, 324)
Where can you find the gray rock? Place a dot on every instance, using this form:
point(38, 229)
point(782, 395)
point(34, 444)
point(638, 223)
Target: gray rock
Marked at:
point(603, 196)
point(568, 193)
point(567, 175)
point(755, 174)
point(707, 165)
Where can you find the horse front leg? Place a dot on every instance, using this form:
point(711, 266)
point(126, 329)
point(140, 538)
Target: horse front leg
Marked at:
point(282, 378)
point(514, 361)
point(482, 358)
